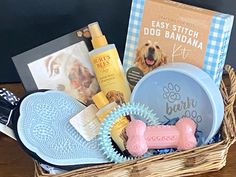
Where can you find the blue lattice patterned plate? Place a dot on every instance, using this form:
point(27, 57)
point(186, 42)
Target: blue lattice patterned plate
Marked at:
point(43, 127)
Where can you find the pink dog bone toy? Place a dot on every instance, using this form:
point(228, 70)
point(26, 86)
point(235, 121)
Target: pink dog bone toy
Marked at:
point(141, 138)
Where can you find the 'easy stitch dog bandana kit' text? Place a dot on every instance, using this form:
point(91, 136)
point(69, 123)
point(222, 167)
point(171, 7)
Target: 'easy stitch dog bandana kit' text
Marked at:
point(163, 31)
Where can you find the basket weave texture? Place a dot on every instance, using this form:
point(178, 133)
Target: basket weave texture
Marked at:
point(186, 163)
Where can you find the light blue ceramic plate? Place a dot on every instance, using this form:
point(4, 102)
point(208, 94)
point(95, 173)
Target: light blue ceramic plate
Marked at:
point(179, 89)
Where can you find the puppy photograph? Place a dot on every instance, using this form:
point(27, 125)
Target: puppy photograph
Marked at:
point(149, 56)
point(67, 70)
point(116, 96)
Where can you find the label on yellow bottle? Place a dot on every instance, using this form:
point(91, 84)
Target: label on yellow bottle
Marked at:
point(111, 76)
point(118, 130)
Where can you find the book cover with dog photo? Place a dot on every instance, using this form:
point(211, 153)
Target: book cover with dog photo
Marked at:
point(164, 31)
point(62, 64)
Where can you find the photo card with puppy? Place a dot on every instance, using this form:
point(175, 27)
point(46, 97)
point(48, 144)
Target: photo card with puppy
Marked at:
point(62, 64)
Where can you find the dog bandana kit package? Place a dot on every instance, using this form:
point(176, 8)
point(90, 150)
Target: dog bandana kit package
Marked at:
point(163, 31)
point(61, 64)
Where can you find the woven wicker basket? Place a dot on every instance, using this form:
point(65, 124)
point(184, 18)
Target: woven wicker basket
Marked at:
point(191, 162)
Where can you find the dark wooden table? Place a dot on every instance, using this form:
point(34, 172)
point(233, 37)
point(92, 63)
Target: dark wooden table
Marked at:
point(14, 162)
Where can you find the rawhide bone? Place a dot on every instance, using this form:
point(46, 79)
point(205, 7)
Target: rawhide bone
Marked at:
point(142, 137)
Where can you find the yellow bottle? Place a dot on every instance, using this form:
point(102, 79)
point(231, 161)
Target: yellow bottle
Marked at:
point(108, 68)
point(118, 129)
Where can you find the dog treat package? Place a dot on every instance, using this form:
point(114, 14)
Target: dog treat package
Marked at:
point(163, 31)
point(61, 64)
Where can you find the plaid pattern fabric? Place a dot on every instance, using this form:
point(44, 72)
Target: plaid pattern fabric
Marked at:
point(218, 40)
point(217, 45)
point(133, 32)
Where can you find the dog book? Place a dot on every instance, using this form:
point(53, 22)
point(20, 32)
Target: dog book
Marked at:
point(164, 31)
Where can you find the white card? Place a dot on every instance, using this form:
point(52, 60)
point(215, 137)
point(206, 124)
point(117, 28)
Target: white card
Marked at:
point(7, 130)
point(86, 122)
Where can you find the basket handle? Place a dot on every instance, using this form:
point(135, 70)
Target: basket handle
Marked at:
point(228, 91)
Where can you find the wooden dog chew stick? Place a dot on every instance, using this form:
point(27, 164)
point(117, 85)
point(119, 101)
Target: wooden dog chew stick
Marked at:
point(142, 137)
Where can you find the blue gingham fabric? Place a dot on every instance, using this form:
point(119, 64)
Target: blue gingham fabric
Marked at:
point(218, 41)
point(135, 20)
point(217, 45)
